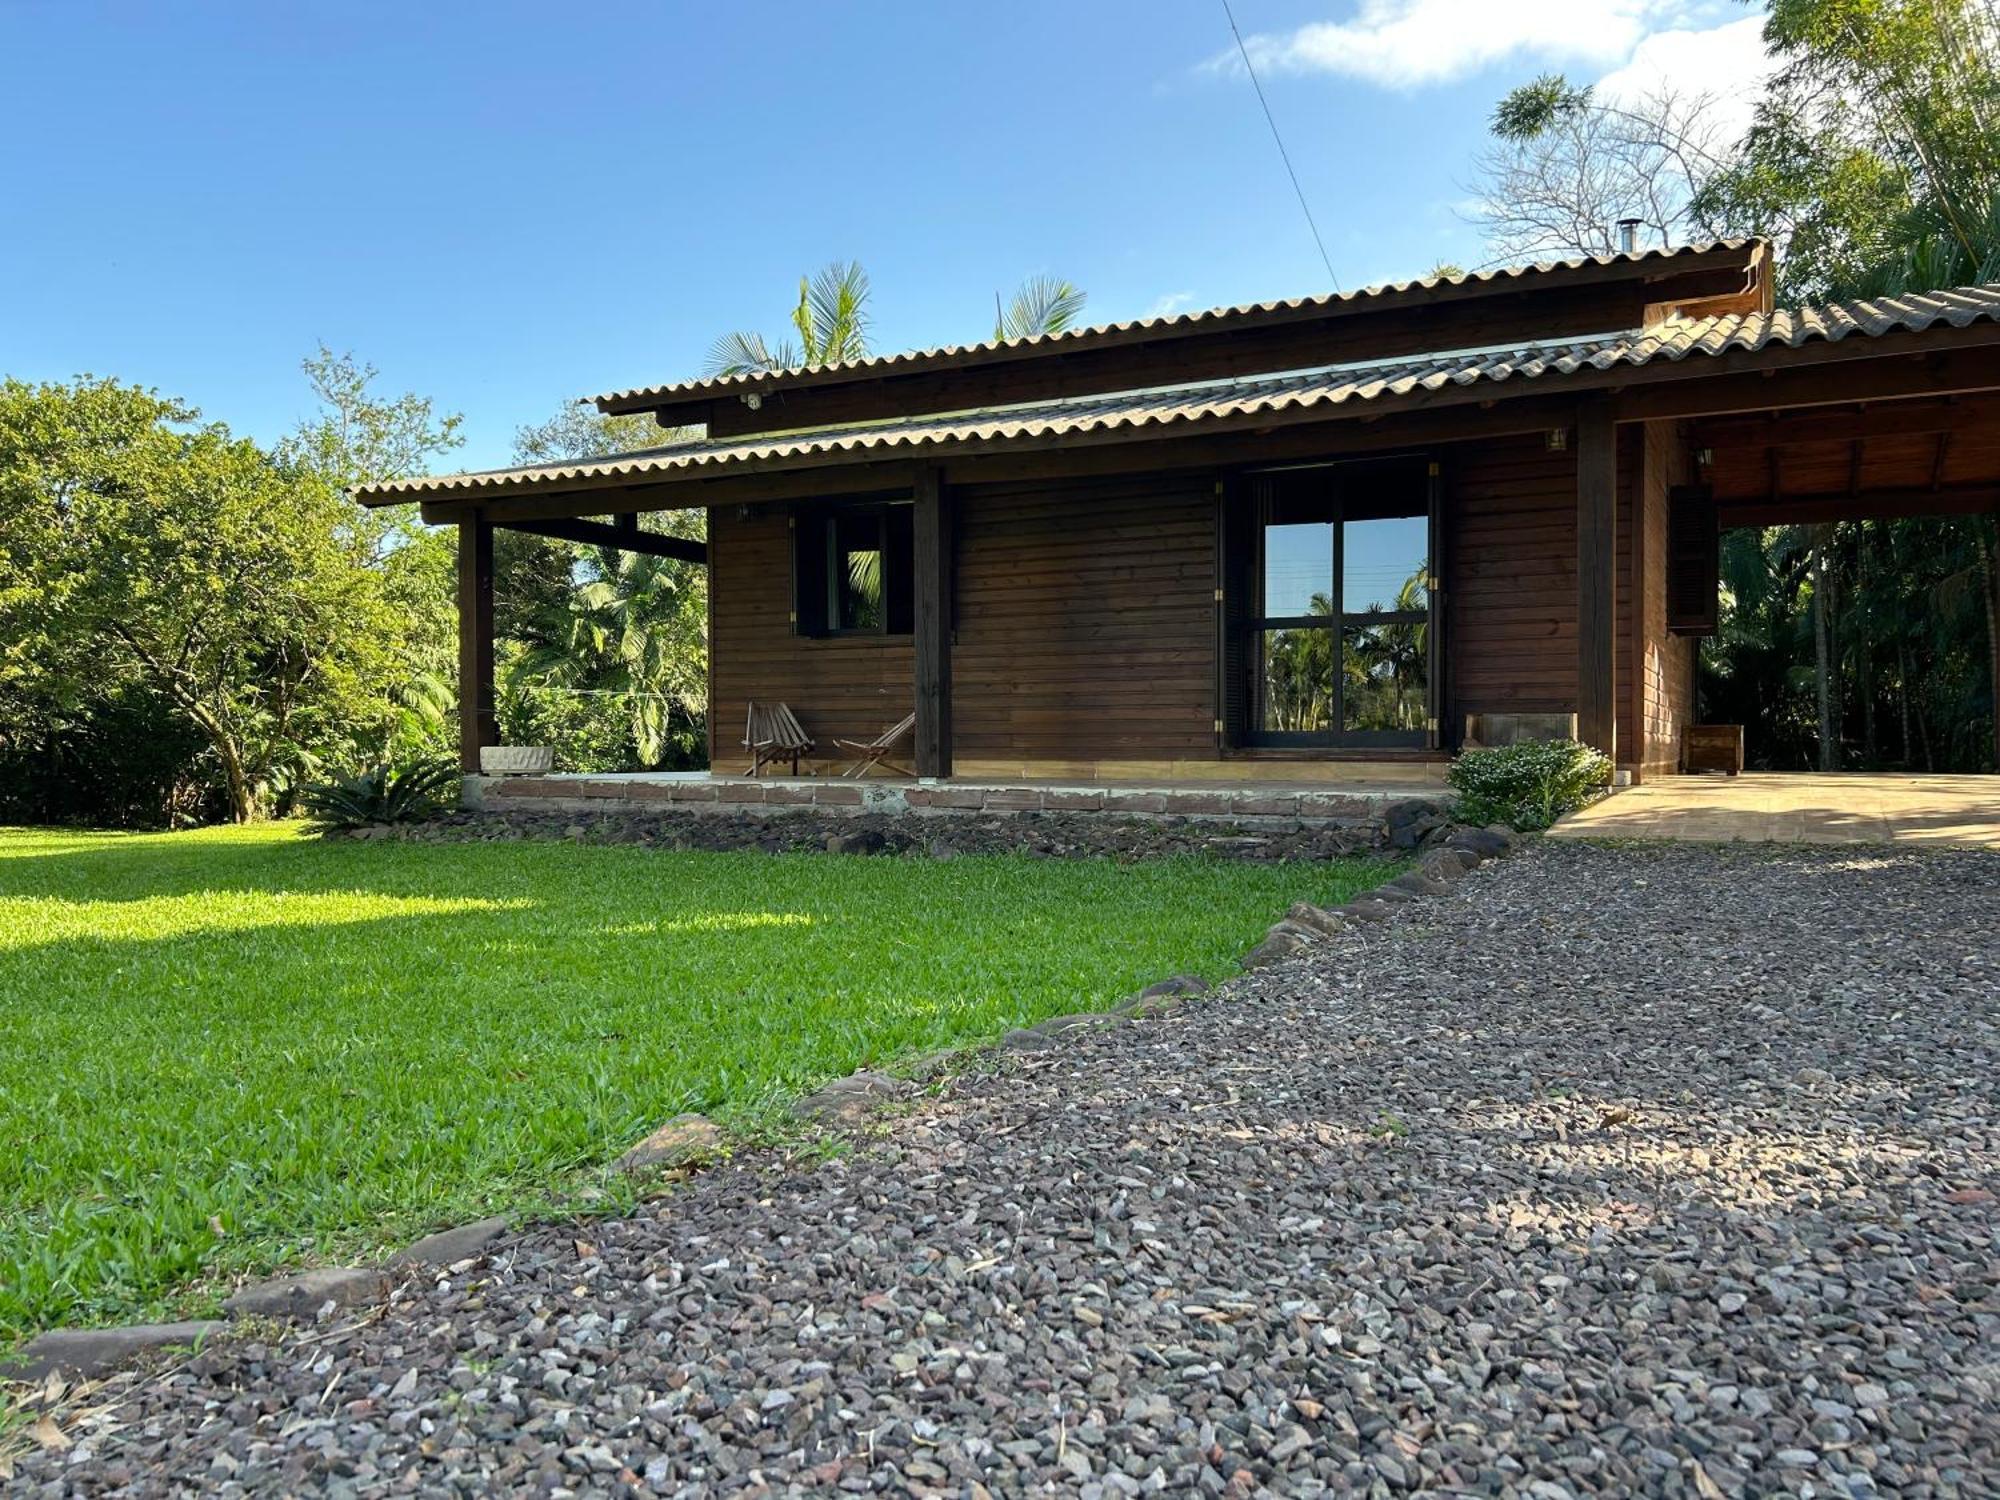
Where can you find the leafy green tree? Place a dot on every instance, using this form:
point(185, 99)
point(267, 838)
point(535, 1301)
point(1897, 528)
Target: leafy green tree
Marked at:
point(142, 547)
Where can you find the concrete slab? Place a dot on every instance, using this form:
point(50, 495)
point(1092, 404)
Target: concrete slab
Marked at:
point(1799, 808)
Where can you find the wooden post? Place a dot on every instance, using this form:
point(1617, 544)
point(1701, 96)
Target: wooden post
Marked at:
point(1597, 576)
point(931, 532)
point(478, 724)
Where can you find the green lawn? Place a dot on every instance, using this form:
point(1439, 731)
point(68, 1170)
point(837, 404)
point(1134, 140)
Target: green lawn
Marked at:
point(237, 1047)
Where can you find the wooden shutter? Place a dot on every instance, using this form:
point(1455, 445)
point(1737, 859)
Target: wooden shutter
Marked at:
point(809, 565)
point(1694, 562)
point(1235, 604)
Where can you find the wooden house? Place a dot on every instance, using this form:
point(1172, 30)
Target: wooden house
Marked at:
point(1309, 539)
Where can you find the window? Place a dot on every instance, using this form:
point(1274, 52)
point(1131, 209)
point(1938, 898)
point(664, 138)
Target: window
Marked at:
point(851, 571)
point(1336, 629)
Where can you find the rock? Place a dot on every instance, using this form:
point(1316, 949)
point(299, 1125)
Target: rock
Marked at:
point(1389, 892)
point(1318, 919)
point(305, 1293)
point(860, 841)
point(1367, 909)
point(1419, 884)
point(1079, 1021)
point(1483, 843)
point(450, 1246)
point(943, 849)
point(682, 1141)
point(1275, 947)
point(846, 1102)
point(1448, 865)
point(1178, 984)
point(1021, 1039)
point(88, 1353)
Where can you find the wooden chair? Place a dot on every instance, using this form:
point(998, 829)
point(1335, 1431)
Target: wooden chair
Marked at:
point(772, 734)
point(869, 754)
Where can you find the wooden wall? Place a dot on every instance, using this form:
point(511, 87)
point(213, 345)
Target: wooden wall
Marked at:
point(851, 686)
point(1510, 578)
point(1085, 617)
point(1086, 620)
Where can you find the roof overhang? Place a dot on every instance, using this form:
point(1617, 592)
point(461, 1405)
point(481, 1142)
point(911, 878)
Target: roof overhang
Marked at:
point(1516, 305)
point(1931, 346)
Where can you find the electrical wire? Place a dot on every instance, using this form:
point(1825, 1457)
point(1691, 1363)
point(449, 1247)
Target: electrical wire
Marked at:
point(1283, 155)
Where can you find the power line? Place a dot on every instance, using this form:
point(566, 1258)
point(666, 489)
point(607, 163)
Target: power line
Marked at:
point(1283, 154)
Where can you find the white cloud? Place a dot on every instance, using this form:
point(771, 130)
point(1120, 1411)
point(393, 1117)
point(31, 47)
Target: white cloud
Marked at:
point(1726, 63)
point(1410, 43)
point(1168, 305)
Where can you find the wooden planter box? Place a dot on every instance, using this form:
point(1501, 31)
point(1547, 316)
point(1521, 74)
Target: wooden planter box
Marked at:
point(1712, 747)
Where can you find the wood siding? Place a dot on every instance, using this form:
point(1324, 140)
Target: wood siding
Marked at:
point(851, 686)
point(1511, 578)
point(1086, 620)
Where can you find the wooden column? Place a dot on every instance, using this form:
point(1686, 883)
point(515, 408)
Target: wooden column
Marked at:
point(931, 530)
point(478, 724)
point(1597, 576)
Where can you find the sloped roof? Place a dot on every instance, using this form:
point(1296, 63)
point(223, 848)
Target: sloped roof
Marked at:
point(1507, 278)
point(1219, 402)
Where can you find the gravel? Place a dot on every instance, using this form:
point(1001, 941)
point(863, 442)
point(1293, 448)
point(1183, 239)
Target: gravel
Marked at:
point(1612, 1171)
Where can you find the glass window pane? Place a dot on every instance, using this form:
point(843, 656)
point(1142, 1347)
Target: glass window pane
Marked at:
point(857, 572)
point(1383, 564)
point(1295, 680)
point(1298, 570)
point(1384, 676)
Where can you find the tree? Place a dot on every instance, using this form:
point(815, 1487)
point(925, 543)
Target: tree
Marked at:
point(1041, 305)
point(1566, 165)
point(145, 548)
point(604, 653)
point(831, 322)
point(1874, 159)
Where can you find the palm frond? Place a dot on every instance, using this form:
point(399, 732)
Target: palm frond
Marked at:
point(1041, 305)
point(742, 353)
point(832, 315)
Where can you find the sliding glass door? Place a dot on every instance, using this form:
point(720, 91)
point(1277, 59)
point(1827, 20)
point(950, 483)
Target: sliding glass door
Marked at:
point(1337, 632)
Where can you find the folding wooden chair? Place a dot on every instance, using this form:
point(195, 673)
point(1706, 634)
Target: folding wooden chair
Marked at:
point(772, 734)
point(869, 754)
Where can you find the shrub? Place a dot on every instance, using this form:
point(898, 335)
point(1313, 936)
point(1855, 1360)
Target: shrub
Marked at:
point(379, 794)
point(1527, 786)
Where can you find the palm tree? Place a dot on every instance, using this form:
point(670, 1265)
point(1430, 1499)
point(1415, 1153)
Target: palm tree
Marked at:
point(632, 628)
point(1042, 305)
point(831, 321)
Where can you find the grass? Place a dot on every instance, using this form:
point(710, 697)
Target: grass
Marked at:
point(235, 1048)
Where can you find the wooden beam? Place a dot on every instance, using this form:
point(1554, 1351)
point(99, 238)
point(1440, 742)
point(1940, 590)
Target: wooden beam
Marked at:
point(478, 723)
point(1859, 505)
point(931, 529)
point(627, 539)
point(1597, 576)
point(1841, 424)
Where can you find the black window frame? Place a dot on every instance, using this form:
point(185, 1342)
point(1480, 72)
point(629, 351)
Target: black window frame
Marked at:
point(1338, 511)
point(818, 581)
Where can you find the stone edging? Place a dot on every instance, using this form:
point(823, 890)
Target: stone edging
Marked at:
point(692, 1139)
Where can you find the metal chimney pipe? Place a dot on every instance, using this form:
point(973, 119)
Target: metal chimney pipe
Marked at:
point(1628, 235)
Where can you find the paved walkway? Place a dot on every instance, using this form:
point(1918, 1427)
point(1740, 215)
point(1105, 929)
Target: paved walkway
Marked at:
point(1805, 808)
point(1660, 1170)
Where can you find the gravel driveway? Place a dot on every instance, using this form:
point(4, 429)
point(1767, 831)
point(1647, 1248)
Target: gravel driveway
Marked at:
point(1659, 1170)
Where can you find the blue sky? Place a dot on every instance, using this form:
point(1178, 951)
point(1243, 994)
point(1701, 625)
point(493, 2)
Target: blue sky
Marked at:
point(507, 205)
